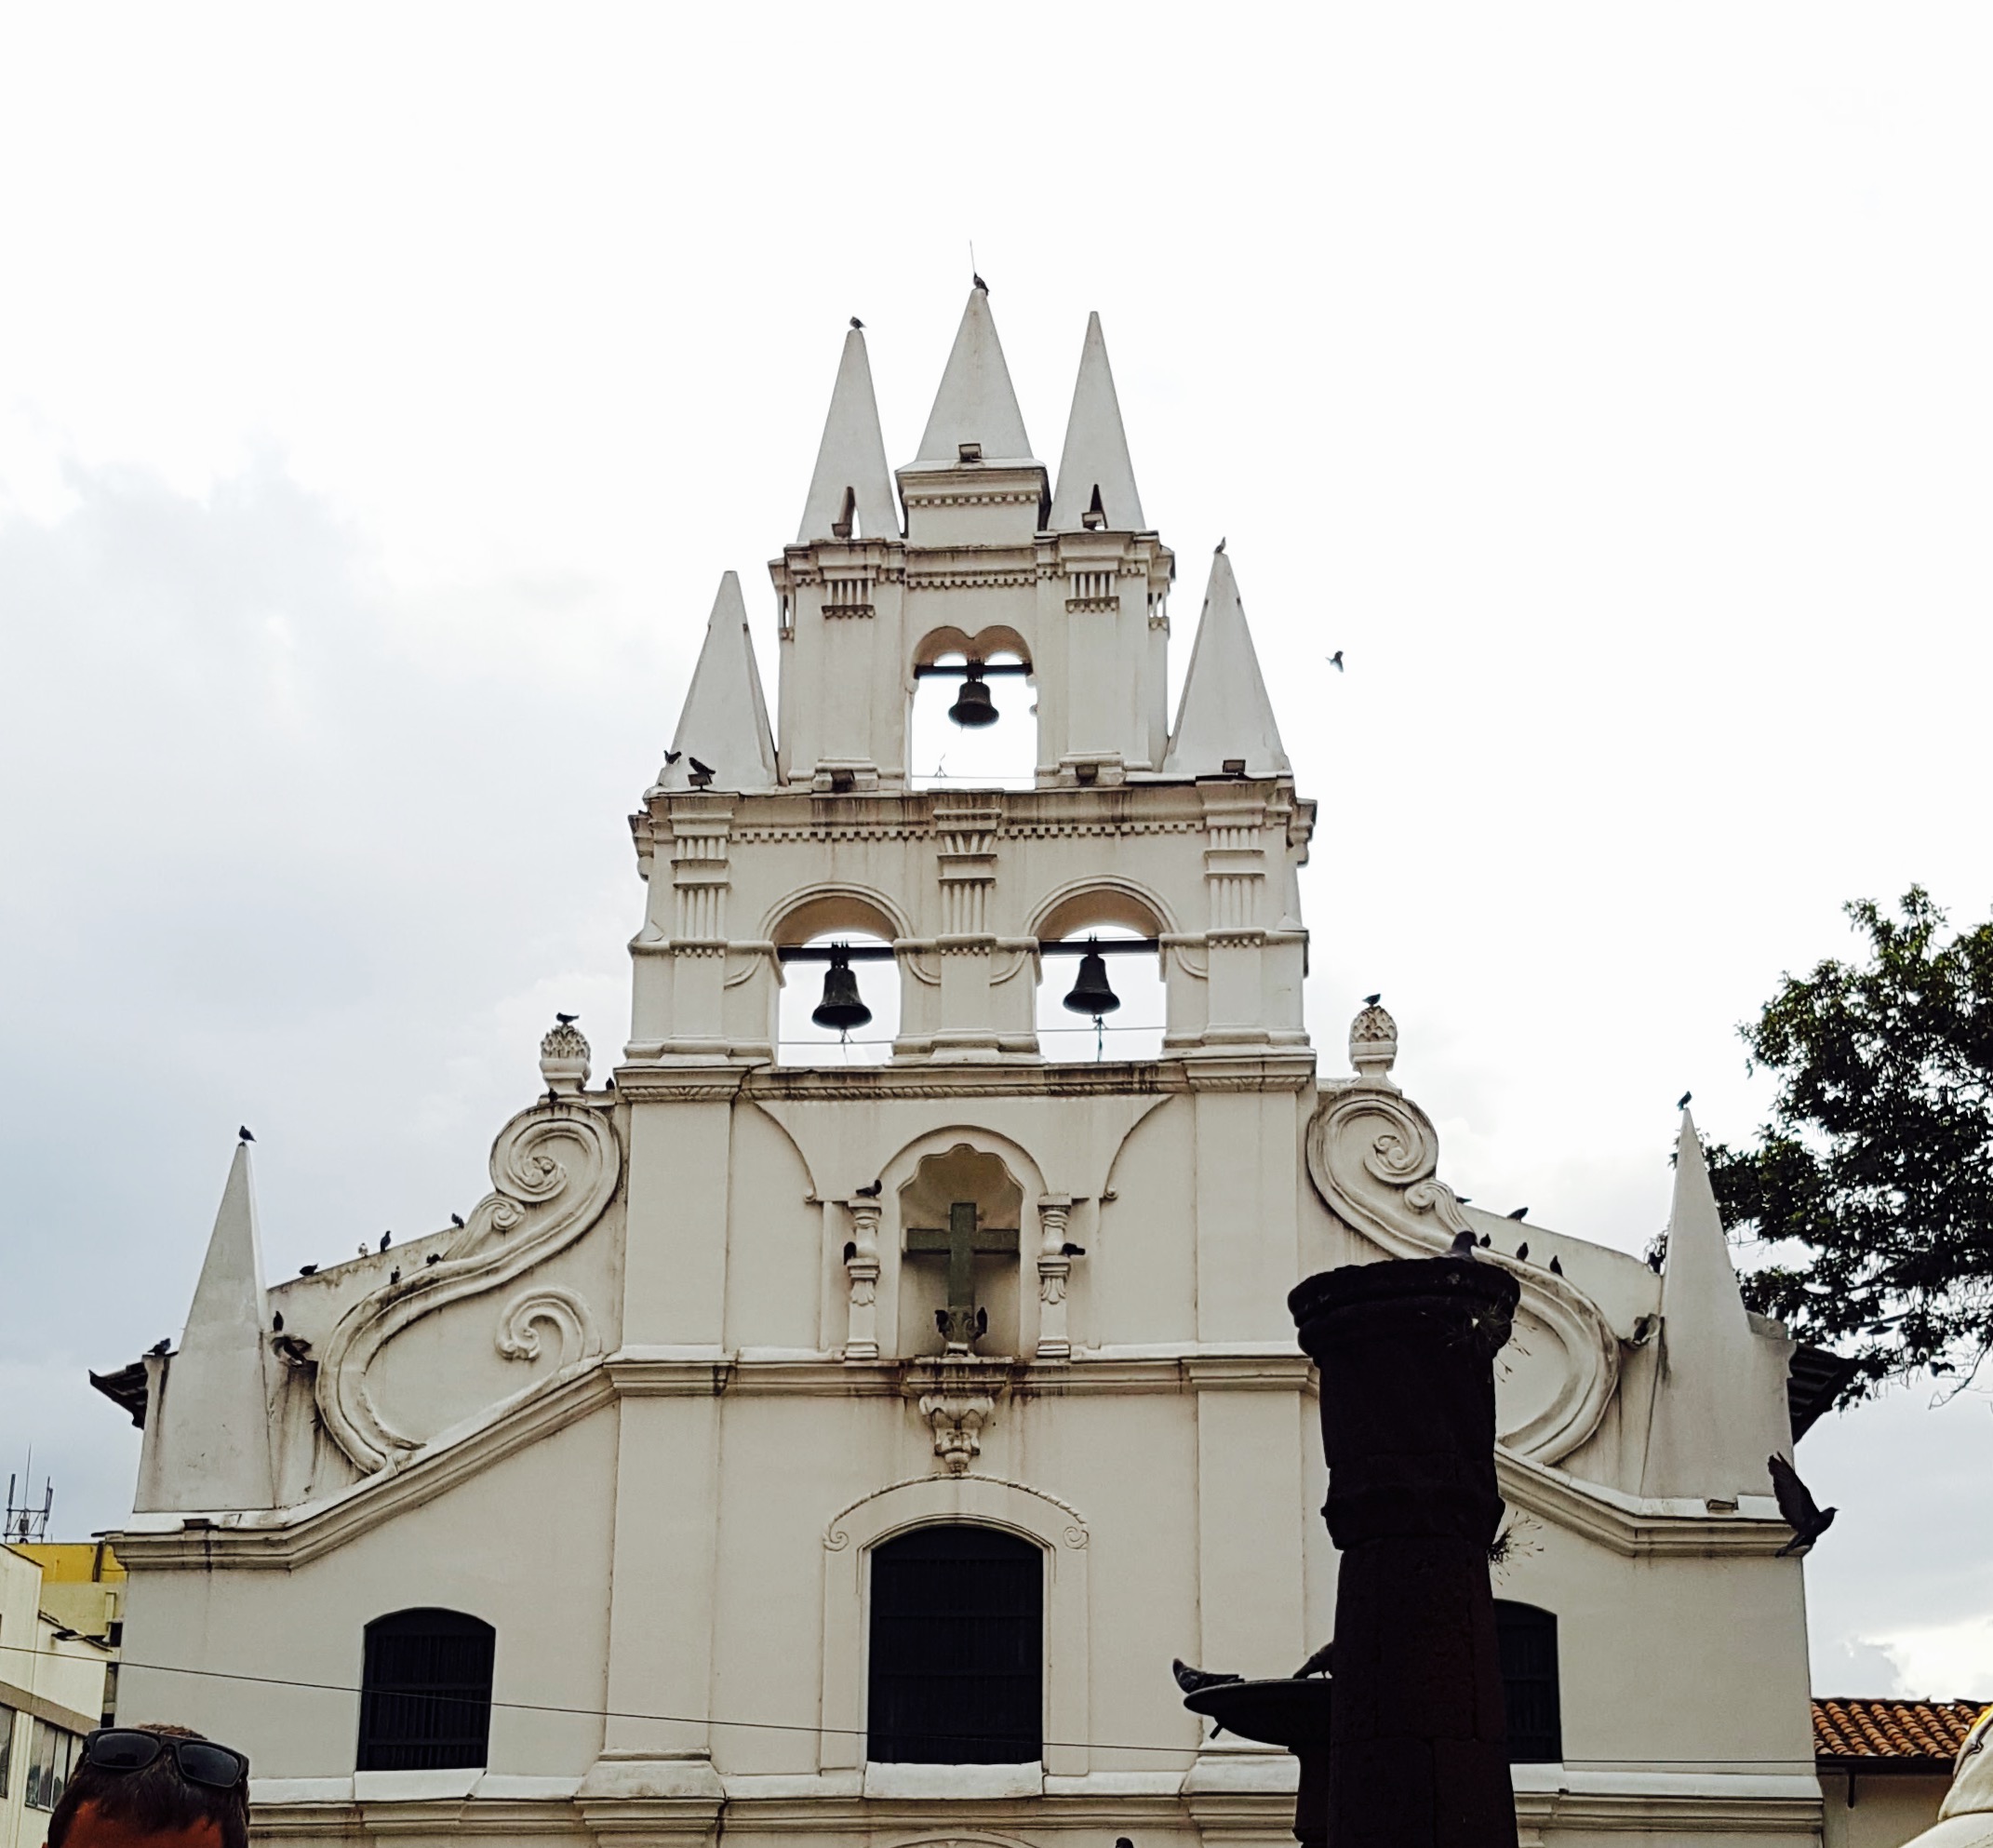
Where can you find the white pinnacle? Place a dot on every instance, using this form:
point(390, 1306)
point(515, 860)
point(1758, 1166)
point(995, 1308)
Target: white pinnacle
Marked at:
point(1225, 716)
point(975, 403)
point(725, 723)
point(1094, 462)
point(851, 478)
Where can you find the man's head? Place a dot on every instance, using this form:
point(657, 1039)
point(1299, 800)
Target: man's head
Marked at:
point(157, 1804)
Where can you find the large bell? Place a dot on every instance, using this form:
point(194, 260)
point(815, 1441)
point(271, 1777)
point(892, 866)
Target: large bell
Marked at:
point(1090, 994)
point(840, 1009)
point(973, 706)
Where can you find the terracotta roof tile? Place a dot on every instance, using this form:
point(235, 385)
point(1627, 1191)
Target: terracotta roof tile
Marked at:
point(1929, 1730)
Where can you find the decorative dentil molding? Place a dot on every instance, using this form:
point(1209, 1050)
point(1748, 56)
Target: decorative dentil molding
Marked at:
point(553, 1168)
point(1372, 1155)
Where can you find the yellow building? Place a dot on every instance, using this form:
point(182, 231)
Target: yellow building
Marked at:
point(54, 1681)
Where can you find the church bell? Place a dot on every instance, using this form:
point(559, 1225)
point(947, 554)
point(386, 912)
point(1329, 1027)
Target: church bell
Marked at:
point(1091, 993)
point(973, 706)
point(840, 1008)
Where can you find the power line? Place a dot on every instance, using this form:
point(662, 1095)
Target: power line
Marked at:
point(748, 1725)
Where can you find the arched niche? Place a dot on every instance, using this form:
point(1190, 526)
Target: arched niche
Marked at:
point(822, 916)
point(975, 1178)
point(1058, 1528)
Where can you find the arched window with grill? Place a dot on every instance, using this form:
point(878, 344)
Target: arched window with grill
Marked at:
point(425, 1691)
point(957, 1659)
point(1527, 1638)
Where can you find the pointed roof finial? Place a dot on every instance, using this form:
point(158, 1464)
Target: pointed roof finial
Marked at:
point(1094, 471)
point(1719, 1406)
point(724, 724)
point(851, 476)
point(211, 1447)
point(975, 405)
point(1224, 717)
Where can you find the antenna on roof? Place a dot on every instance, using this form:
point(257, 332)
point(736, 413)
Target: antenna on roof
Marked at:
point(24, 1523)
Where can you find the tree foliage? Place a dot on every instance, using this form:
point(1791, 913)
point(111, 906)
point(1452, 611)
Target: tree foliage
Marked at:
point(1878, 1162)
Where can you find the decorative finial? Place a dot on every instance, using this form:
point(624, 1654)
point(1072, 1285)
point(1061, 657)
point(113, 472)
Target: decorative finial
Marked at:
point(564, 1056)
point(1373, 1043)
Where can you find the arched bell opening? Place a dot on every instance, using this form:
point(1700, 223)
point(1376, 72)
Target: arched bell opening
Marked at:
point(839, 999)
point(974, 719)
point(1100, 993)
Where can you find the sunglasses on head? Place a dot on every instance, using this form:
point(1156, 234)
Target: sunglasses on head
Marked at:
point(200, 1761)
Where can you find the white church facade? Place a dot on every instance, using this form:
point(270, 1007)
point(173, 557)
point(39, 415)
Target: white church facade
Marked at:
point(826, 1454)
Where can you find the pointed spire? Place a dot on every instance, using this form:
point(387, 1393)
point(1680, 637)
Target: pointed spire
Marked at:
point(975, 403)
point(725, 721)
point(1225, 714)
point(1095, 476)
point(1719, 1405)
point(212, 1445)
point(851, 475)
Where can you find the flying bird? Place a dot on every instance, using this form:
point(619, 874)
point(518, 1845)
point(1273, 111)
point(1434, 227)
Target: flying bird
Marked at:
point(1681, 1103)
point(456, 1219)
point(1463, 1246)
point(242, 1134)
point(1556, 1268)
point(1195, 1680)
point(1335, 661)
point(871, 1192)
point(567, 1020)
point(1521, 1212)
point(160, 1347)
point(1317, 1663)
point(387, 1238)
point(856, 323)
point(1522, 1252)
point(1797, 1507)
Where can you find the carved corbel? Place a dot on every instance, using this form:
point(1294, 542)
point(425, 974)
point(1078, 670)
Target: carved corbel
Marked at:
point(960, 1403)
point(1055, 1265)
point(861, 1268)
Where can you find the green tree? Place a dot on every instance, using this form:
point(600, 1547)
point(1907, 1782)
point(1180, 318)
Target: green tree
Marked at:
point(1878, 1162)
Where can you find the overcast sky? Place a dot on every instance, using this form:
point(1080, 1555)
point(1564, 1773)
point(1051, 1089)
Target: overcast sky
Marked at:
point(383, 391)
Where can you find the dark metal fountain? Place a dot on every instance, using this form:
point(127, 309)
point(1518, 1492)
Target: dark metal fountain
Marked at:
point(1409, 1750)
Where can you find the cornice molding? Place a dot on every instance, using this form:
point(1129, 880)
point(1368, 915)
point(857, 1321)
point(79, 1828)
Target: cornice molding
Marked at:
point(1637, 1528)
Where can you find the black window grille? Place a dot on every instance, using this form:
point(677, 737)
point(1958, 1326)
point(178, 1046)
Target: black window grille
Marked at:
point(425, 1692)
point(1527, 1638)
point(957, 1660)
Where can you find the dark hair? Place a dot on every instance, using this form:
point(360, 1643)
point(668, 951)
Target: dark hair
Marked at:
point(152, 1801)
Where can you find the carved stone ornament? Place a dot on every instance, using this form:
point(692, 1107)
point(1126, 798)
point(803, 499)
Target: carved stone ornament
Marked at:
point(861, 1268)
point(1372, 1155)
point(554, 1169)
point(564, 1058)
point(962, 1401)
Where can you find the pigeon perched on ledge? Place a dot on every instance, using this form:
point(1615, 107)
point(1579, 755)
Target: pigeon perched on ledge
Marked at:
point(1195, 1680)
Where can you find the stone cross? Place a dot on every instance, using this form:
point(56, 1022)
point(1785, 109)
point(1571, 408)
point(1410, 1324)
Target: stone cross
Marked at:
point(961, 1242)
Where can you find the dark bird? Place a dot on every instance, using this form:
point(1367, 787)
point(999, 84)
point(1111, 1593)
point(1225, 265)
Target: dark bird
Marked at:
point(941, 1320)
point(1317, 1663)
point(857, 323)
point(567, 1020)
point(552, 1096)
point(701, 773)
point(673, 757)
point(1521, 1212)
point(394, 1277)
point(1556, 1268)
point(1465, 1200)
point(1195, 1680)
point(1073, 1251)
point(982, 1322)
point(160, 1347)
point(456, 1219)
point(307, 1270)
point(1372, 1000)
point(1681, 1103)
point(1797, 1507)
point(851, 1249)
point(1654, 1263)
point(433, 1257)
point(977, 282)
point(387, 1238)
point(1522, 1252)
point(1485, 1241)
point(1335, 661)
point(242, 1134)
point(1463, 1246)
point(276, 1323)
point(871, 1192)
point(1218, 548)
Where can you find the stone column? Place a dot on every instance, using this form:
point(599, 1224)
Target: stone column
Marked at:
point(1055, 1268)
point(1418, 1755)
point(861, 1266)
